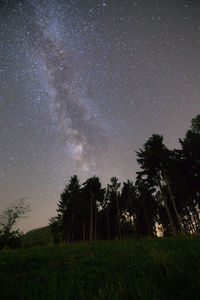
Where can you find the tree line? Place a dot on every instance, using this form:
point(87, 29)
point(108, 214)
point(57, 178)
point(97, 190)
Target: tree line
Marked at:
point(164, 197)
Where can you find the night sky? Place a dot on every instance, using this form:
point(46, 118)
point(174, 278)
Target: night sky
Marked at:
point(84, 84)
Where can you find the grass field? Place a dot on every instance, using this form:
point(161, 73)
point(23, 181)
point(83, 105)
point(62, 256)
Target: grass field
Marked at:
point(130, 269)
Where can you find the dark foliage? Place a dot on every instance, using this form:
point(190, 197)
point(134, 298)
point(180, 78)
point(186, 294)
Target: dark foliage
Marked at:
point(165, 196)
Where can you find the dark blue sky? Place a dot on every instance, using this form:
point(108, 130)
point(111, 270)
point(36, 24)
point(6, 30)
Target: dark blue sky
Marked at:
point(84, 84)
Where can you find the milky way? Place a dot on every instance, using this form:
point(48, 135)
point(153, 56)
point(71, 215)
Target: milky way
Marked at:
point(70, 110)
point(75, 118)
point(84, 84)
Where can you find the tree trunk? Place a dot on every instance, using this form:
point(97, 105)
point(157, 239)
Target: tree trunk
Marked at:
point(146, 218)
point(131, 214)
point(196, 218)
point(173, 202)
point(131, 223)
point(108, 224)
point(118, 218)
point(83, 230)
point(72, 229)
point(174, 232)
point(91, 217)
point(135, 225)
point(95, 222)
point(190, 220)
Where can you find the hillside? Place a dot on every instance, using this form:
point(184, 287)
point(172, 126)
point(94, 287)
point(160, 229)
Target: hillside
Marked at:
point(38, 237)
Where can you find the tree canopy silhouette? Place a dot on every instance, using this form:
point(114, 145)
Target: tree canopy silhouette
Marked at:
point(165, 195)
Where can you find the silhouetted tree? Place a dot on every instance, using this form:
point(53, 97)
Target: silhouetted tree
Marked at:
point(127, 204)
point(146, 209)
point(9, 236)
point(155, 161)
point(56, 229)
point(189, 157)
point(113, 208)
point(93, 196)
point(68, 209)
point(166, 191)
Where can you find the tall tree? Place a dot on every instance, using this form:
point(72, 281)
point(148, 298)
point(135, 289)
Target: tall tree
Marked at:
point(155, 161)
point(68, 208)
point(127, 203)
point(189, 157)
point(93, 195)
point(113, 206)
point(56, 229)
point(147, 211)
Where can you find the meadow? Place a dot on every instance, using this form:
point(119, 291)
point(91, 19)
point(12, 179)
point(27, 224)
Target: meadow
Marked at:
point(161, 268)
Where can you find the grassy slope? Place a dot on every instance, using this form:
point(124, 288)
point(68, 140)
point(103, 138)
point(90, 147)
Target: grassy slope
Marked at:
point(38, 237)
point(128, 269)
